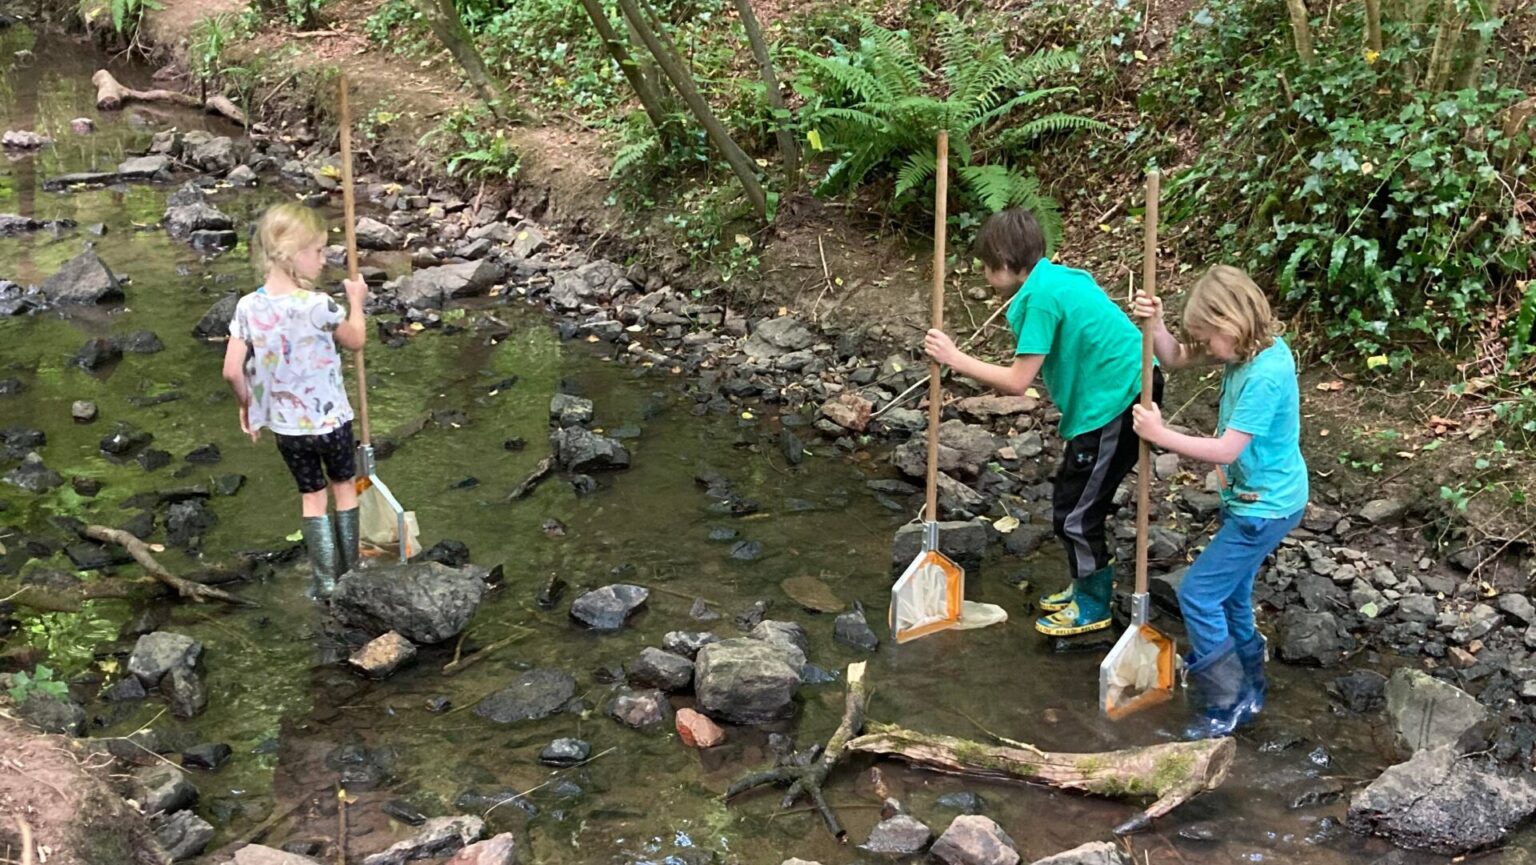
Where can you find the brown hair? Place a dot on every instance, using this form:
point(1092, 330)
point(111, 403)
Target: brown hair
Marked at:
point(1226, 301)
point(284, 230)
point(1011, 239)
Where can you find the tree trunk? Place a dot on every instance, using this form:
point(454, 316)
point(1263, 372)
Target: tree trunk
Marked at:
point(1447, 35)
point(789, 151)
point(666, 57)
point(1373, 25)
point(650, 95)
point(1478, 50)
point(443, 18)
point(1301, 29)
point(111, 96)
point(1173, 772)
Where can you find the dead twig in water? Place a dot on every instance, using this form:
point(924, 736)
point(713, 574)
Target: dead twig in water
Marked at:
point(552, 777)
point(25, 830)
point(457, 665)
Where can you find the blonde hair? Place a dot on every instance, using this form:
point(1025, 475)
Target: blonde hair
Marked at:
point(1226, 301)
point(284, 230)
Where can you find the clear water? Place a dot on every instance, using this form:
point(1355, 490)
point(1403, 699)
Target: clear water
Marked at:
point(646, 798)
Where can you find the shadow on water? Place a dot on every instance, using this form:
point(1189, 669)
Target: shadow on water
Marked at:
point(288, 714)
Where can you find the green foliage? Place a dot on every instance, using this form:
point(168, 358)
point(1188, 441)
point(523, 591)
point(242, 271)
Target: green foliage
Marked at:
point(127, 14)
point(474, 150)
point(876, 107)
point(298, 13)
point(389, 18)
point(41, 681)
point(208, 43)
point(1381, 207)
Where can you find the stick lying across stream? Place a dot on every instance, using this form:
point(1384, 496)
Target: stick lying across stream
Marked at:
point(1170, 773)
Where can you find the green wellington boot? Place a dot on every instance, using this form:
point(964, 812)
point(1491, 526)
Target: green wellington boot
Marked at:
point(320, 538)
point(1057, 601)
point(346, 534)
point(1089, 609)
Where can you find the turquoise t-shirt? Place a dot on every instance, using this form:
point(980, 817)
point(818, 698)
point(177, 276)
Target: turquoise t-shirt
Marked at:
point(1261, 398)
point(1092, 350)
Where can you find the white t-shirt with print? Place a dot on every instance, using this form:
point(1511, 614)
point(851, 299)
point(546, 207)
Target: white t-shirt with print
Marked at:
point(292, 367)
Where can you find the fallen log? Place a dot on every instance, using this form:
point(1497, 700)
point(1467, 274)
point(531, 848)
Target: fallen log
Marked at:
point(187, 589)
point(1170, 773)
point(111, 95)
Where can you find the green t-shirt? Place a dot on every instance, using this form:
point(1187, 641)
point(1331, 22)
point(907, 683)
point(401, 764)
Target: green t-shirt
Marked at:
point(1092, 350)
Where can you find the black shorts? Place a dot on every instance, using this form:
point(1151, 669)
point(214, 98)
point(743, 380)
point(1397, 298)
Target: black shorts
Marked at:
point(334, 451)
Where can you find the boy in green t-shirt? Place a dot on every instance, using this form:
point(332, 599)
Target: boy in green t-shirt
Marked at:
point(1089, 353)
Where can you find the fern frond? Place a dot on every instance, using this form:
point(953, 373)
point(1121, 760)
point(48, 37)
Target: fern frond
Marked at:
point(900, 69)
point(991, 184)
point(979, 119)
point(917, 169)
point(1048, 125)
point(854, 80)
point(1044, 63)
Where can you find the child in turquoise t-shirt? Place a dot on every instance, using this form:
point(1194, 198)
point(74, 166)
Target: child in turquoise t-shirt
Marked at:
point(1257, 449)
point(1088, 352)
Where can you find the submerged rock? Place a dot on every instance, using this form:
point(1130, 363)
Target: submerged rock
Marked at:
point(425, 602)
point(698, 731)
point(853, 631)
point(638, 708)
point(439, 836)
point(33, 476)
point(662, 670)
point(565, 752)
point(535, 694)
point(157, 654)
point(606, 609)
point(578, 449)
point(902, 835)
point(383, 655)
point(1444, 803)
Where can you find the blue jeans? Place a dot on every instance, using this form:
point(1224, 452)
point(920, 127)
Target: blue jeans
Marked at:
point(1216, 596)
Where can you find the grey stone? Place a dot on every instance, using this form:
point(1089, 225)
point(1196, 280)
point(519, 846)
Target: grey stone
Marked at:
point(426, 602)
point(53, 714)
point(687, 643)
point(162, 789)
point(565, 752)
point(661, 670)
point(439, 836)
point(746, 681)
point(1428, 713)
point(1361, 691)
point(33, 476)
point(186, 522)
point(144, 167)
point(1312, 638)
point(964, 542)
point(1444, 803)
point(141, 342)
point(497, 850)
point(956, 500)
point(156, 654)
point(183, 835)
point(215, 322)
point(1092, 853)
point(373, 234)
point(1475, 624)
point(256, 854)
point(185, 691)
point(777, 336)
point(607, 608)
point(1517, 607)
point(200, 216)
point(790, 636)
point(241, 175)
point(210, 755)
point(852, 630)
point(902, 835)
point(570, 410)
point(1417, 608)
point(431, 287)
point(578, 449)
point(216, 156)
point(213, 241)
point(528, 240)
point(1384, 512)
point(535, 694)
point(83, 279)
point(638, 708)
point(97, 353)
point(972, 839)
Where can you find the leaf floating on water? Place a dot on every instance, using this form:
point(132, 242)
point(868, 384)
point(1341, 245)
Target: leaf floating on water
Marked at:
point(813, 594)
point(296, 536)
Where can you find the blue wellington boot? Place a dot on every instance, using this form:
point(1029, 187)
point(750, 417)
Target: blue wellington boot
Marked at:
point(1216, 692)
point(1088, 610)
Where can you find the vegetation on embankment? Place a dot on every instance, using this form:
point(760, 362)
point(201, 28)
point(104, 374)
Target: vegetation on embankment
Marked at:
point(1371, 163)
